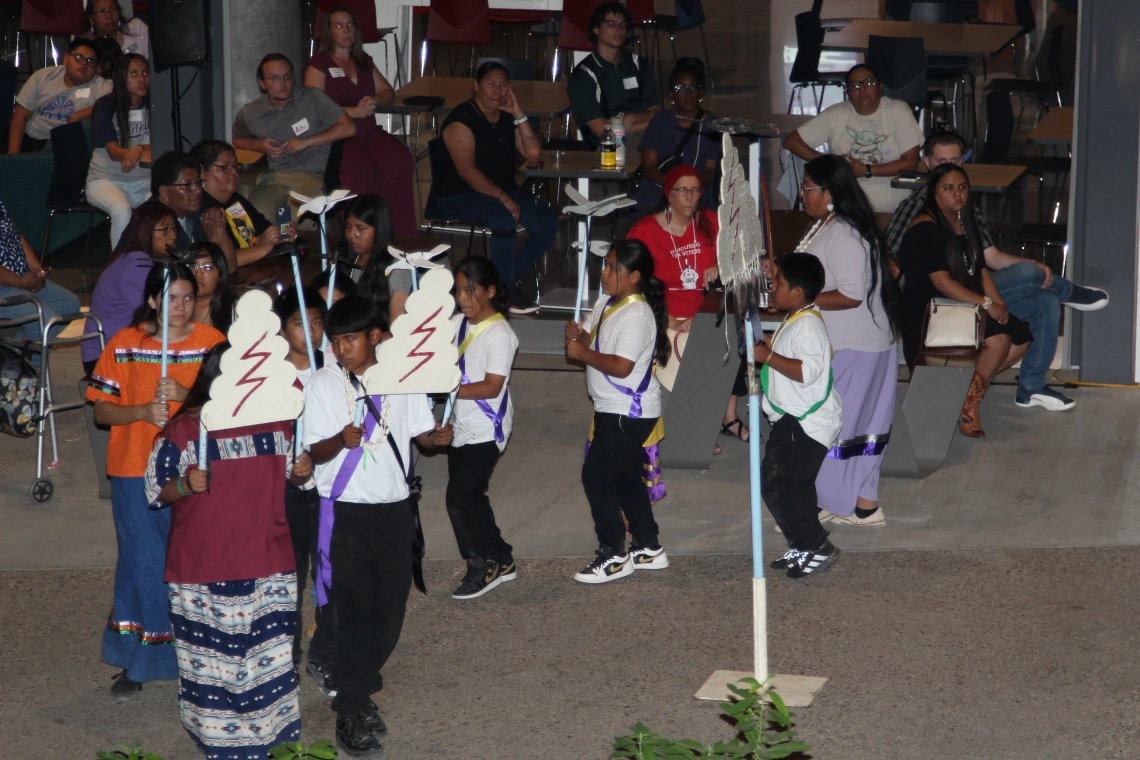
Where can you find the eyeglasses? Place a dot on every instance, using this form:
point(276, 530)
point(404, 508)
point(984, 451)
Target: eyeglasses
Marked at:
point(165, 230)
point(686, 87)
point(207, 268)
point(189, 186)
point(84, 60)
point(107, 12)
point(809, 188)
point(616, 25)
point(226, 168)
point(688, 191)
point(863, 84)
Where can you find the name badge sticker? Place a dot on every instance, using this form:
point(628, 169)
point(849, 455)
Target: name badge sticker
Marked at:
point(136, 115)
point(84, 93)
point(630, 83)
point(336, 72)
point(301, 127)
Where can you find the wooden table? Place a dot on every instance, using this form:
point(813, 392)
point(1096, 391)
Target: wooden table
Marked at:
point(581, 166)
point(956, 40)
point(1056, 128)
point(984, 178)
point(539, 99)
point(244, 157)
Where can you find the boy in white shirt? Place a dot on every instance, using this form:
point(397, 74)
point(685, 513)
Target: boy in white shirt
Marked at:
point(369, 541)
point(806, 415)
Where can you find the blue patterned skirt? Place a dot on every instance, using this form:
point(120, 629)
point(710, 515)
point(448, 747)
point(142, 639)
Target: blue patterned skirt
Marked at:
point(234, 642)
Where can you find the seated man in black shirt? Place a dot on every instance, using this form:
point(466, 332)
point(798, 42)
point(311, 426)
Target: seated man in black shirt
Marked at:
point(611, 80)
point(175, 180)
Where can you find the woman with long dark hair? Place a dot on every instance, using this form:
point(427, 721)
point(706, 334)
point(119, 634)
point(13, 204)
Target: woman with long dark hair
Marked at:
point(367, 235)
point(132, 397)
point(942, 257)
point(619, 343)
point(121, 133)
point(151, 233)
point(214, 305)
point(860, 306)
point(373, 160)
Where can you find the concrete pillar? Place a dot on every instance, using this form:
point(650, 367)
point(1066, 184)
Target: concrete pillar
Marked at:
point(253, 29)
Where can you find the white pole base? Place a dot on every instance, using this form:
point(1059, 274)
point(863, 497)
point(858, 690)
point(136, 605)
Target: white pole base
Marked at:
point(796, 691)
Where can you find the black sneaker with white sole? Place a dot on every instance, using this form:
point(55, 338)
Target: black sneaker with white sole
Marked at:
point(482, 576)
point(804, 563)
point(1046, 398)
point(607, 566)
point(1086, 299)
point(649, 557)
point(355, 737)
point(321, 676)
point(783, 562)
point(520, 303)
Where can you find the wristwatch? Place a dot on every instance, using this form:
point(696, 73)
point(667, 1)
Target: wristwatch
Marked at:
point(867, 174)
point(520, 120)
point(987, 302)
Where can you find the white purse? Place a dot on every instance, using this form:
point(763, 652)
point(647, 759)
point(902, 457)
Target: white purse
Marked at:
point(953, 324)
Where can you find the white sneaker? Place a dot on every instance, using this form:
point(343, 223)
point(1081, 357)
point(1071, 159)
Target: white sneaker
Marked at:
point(649, 557)
point(605, 569)
point(876, 520)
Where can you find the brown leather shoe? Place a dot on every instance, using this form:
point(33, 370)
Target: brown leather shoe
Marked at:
point(969, 419)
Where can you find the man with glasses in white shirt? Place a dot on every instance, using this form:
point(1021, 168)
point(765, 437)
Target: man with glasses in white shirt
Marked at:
point(878, 136)
point(611, 80)
point(54, 96)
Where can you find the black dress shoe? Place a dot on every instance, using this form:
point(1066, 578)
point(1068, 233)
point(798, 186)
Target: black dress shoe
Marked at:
point(124, 688)
point(373, 719)
point(354, 735)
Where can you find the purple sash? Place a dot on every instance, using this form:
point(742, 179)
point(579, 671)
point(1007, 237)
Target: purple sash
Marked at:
point(635, 405)
point(484, 405)
point(326, 515)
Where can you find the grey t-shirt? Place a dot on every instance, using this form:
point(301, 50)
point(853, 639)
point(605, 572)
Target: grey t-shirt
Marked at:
point(52, 102)
point(308, 112)
point(105, 124)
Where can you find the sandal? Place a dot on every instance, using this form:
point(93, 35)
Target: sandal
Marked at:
point(726, 428)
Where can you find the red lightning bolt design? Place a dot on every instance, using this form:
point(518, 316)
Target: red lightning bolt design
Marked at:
point(415, 353)
point(256, 382)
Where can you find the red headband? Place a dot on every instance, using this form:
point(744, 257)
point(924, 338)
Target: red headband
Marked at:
point(676, 173)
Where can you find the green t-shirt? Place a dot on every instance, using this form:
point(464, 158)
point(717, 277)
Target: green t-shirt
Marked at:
point(599, 90)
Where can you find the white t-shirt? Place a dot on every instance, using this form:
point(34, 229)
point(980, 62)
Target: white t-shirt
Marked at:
point(805, 339)
point(847, 264)
point(52, 102)
point(631, 333)
point(492, 351)
point(879, 138)
point(328, 410)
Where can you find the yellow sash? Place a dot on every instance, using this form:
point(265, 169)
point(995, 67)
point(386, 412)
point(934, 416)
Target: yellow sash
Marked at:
point(611, 308)
point(476, 330)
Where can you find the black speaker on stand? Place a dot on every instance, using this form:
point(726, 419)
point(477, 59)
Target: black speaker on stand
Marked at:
point(179, 36)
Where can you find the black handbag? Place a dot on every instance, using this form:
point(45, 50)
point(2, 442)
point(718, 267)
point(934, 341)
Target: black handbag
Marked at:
point(19, 392)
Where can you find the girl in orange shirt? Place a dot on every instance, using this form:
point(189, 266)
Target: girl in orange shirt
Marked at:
point(132, 397)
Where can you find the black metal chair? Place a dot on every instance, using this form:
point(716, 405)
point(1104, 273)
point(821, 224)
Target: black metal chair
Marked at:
point(1046, 91)
point(433, 222)
point(805, 69)
point(688, 14)
point(901, 63)
point(71, 156)
point(828, 24)
point(897, 10)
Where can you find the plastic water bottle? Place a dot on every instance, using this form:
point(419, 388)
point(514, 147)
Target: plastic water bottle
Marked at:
point(608, 148)
point(617, 124)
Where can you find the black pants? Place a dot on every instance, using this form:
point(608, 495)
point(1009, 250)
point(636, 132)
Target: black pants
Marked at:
point(32, 144)
point(787, 479)
point(301, 513)
point(612, 476)
point(371, 557)
point(468, 476)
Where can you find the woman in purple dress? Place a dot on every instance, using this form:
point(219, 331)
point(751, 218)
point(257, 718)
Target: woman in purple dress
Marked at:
point(373, 161)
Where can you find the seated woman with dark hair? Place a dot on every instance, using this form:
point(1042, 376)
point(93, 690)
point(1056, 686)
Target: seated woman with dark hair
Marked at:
point(477, 179)
point(253, 235)
point(214, 302)
point(151, 232)
point(373, 161)
point(678, 136)
point(941, 257)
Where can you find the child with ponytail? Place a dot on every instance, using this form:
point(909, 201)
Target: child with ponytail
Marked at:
point(619, 343)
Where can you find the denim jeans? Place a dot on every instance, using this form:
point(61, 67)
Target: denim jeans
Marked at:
point(541, 221)
point(55, 301)
point(1040, 308)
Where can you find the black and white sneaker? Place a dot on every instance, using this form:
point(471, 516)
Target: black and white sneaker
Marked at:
point(354, 736)
point(520, 304)
point(320, 674)
point(649, 557)
point(482, 576)
point(783, 562)
point(606, 567)
point(374, 721)
point(507, 569)
point(805, 563)
point(1087, 299)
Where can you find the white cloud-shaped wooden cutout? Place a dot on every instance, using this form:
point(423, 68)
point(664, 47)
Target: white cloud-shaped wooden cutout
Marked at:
point(420, 357)
point(415, 259)
point(256, 384)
